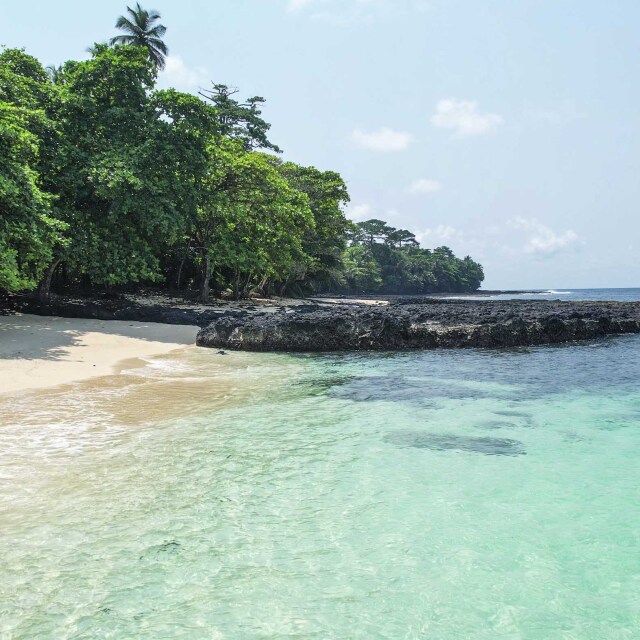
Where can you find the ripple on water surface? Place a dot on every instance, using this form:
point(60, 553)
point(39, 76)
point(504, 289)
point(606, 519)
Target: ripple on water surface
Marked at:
point(346, 496)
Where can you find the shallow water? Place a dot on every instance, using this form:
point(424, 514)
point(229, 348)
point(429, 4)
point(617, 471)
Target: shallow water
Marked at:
point(443, 494)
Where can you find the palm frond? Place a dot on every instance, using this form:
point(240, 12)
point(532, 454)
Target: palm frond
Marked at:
point(124, 24)
point(121, 40)
point(157, 59)
point(142, 31)
point(139, 16)
point(158, 31)
point(159, 45)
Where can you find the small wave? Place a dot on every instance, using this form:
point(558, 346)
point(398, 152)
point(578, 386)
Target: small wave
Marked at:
point(557, 293)
point(155, 367)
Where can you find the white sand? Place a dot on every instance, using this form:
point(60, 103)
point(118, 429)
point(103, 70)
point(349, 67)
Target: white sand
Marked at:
point(38, 352)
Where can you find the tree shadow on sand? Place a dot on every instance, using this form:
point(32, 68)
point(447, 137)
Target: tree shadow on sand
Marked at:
point(26, 337)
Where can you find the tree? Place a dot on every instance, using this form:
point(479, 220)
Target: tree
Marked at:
point(402, 237)
point(244, 223)
point(249, 223)
point(141, 30)
point(362, 272)
point(326, 242)
point(114, 180)
point(121, 184)
point(188, 130)
point(375, 230)
point(55, 73)
point(390, 260)
point(471, 274)
point(29, 230)
point(240, 120)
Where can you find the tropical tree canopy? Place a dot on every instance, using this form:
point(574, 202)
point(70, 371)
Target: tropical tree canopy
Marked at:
point(29, 231)
point(140, 29)
point(382, 258)
point(107, 182)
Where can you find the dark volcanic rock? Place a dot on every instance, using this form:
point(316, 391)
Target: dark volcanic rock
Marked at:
point(406, 323)
point(442, 323)
point(117, 309)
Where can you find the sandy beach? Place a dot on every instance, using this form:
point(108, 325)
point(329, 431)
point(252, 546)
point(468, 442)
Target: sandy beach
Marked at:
point(38, 352)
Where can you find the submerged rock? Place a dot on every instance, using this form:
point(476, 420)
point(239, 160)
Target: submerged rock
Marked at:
point(431, 324)
point(446, 442)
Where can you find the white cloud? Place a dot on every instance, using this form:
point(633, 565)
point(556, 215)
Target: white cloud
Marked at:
point(359, 212)
point(463, 118)
point(296, 5)
point(543, 240)
point(424, 185)
point(177, 74)
point(439, 234)
point(384, 139)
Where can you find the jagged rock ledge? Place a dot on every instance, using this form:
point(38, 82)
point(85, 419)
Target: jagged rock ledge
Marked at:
point(430, 324)
point(137, 308)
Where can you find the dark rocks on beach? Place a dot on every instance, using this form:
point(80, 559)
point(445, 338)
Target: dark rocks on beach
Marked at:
point(137, 309)
point(431, 324)
point(351, 325)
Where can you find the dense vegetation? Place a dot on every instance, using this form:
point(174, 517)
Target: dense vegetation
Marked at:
point(382, 258)
point(106, 181)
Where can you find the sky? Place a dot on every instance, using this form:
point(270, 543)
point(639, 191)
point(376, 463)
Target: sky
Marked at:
point(506, 130)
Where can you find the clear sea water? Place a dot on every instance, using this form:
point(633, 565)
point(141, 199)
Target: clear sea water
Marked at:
point(485, 494)
point(624, 295)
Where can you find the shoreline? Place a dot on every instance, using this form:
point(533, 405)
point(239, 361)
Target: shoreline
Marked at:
point(39, 352)
point(346, 324)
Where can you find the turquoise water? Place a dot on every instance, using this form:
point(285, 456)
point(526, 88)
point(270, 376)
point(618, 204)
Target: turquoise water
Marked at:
point(444, 495)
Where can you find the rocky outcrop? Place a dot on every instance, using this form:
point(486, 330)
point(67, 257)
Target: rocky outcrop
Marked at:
point(395, 323)
point(118, 308)
point(430, 324)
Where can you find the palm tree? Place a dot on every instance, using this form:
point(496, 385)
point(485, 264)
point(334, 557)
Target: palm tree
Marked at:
point(54, 72)
point(140, 30)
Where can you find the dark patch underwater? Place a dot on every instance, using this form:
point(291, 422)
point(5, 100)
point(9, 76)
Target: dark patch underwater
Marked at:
point(449, 442)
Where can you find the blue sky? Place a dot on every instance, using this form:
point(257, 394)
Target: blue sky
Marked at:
point(507, 129)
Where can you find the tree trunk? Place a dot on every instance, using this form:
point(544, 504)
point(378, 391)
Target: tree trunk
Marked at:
point(263, 284)
point(205, 289)
point(179, 276)
point(236, 285)
point(44, 289)
point(245, 288)
point(284, 287)
point(184, 258)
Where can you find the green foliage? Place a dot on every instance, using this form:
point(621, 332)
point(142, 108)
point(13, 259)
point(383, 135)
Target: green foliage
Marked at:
point(389, 260)
point(120, 184)
point(247, 222)
point(362, 272)
point(240, 120)
point(114, 179)
point(28, 230)
point(326, 241)
point(261, 238)
point(140, 29)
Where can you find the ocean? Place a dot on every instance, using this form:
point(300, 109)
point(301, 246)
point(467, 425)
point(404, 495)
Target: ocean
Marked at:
point(623, 295)
point(485, 494)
